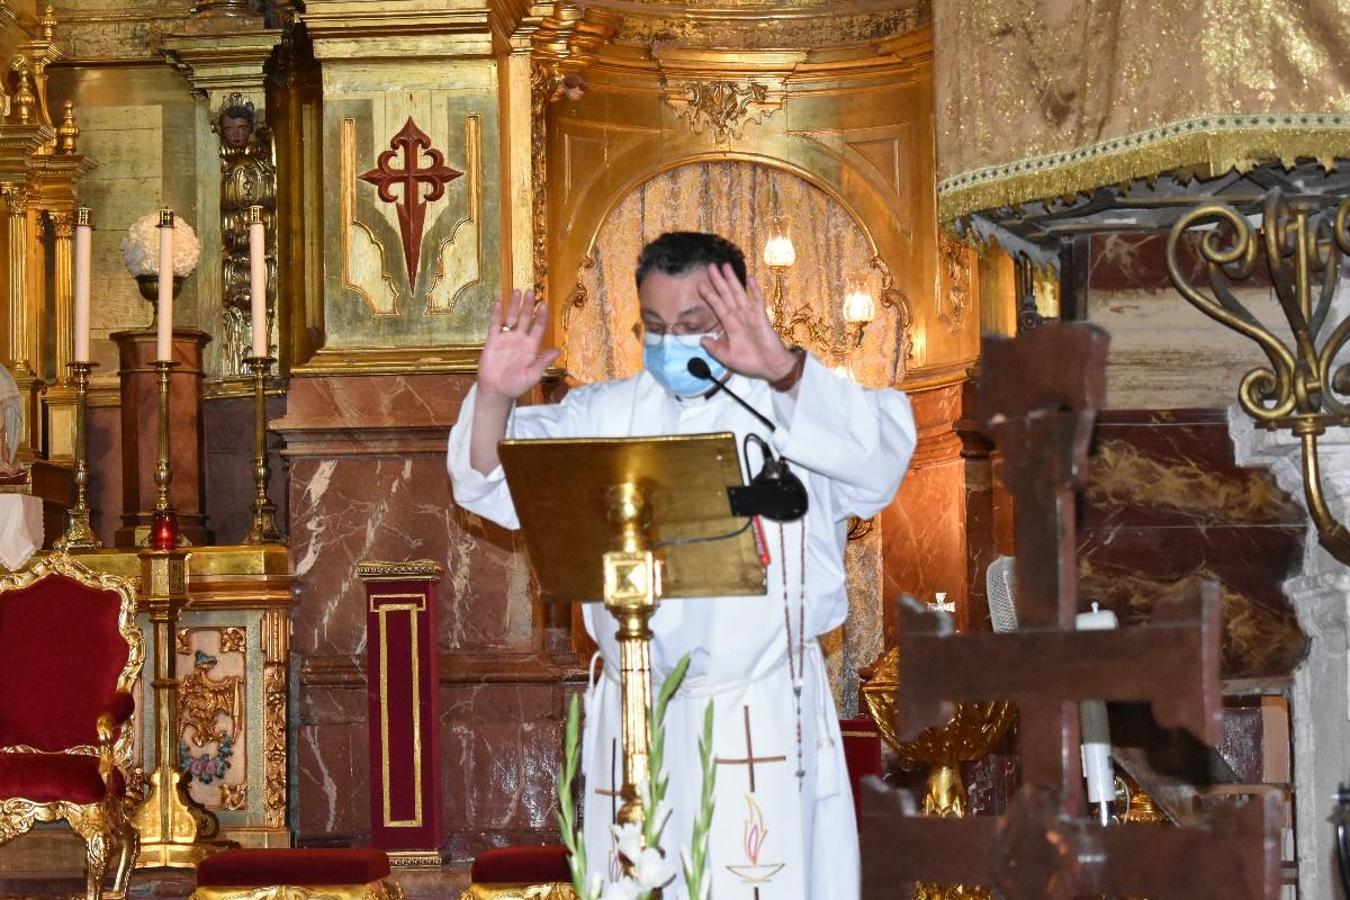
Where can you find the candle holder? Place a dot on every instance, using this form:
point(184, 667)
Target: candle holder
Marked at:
point(163, 469)
point(263, 530)
point(164, 533)
point(79, 533)
point(175, 831)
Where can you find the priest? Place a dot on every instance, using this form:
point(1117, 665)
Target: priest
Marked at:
point(783, 826)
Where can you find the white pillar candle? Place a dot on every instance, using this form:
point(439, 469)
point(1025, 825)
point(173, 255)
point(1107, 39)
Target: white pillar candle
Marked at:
point(257, 280)
point(164, 334)
point(83, 239)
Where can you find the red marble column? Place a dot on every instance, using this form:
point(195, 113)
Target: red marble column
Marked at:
point(403, 681)
point(140, 429)
point(924, 528)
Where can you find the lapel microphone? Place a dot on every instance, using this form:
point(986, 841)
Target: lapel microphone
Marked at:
point(775, 493)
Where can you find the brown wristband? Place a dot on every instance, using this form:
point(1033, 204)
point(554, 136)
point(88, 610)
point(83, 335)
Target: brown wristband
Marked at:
point(794, 375)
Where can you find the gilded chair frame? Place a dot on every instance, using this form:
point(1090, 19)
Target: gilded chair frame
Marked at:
point(105, 827)
point(385, 889)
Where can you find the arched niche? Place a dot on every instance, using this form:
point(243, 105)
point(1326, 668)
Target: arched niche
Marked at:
point(735, 198)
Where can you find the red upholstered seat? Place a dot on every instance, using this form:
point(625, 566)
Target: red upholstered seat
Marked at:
point(297, 868)
point(862, 755)
point(60, 657)
point(49, 777)
point(521, 865)
point(69, 653)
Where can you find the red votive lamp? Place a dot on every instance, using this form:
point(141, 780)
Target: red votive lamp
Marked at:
point(164, 530)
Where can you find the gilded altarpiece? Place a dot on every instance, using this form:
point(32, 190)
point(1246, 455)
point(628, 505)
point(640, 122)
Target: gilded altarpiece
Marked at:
point(412, 267)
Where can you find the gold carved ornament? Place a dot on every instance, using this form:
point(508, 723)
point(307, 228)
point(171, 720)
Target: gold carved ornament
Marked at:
point(551, 891)
point(248, 179)
point(105, 827)
point(274, 743)
point(1302, 388)
point(565, 44)
point(375, 890)
point(722, 107)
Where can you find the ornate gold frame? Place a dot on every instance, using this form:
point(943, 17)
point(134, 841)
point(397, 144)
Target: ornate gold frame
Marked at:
point(375, 890)
point(105, 827)
point(554, 890)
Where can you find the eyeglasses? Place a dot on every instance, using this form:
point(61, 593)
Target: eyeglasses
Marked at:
point(679, 329)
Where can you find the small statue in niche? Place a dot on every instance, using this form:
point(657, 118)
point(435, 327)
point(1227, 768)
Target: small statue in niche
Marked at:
point(248, 178)
point(11, 427)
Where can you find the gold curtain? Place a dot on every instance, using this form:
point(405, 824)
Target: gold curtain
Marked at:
point(734, 199)
point(1039, 98)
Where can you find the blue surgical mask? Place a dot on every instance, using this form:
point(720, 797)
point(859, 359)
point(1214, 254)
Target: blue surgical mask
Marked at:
point(667, 358)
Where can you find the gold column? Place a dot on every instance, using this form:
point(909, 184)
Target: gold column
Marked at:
point(63, 225)
point(61, 173)
point(16, 255)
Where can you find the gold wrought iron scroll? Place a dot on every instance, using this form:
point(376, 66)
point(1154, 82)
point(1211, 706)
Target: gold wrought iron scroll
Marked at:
point(1302, 389)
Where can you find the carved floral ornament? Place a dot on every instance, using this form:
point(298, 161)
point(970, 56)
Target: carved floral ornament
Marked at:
point(724, 107)
point(956, 280)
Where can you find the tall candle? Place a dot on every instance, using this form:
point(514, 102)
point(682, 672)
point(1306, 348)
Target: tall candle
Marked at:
point(257, 279)
point(164, 334)
point(83, 238)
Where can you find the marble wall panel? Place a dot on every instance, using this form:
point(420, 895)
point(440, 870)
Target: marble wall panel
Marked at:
point(924, 528)
point(368, 481)
point(229, 423)
point(103, 447)
point(503, 746)
point(1165, 502)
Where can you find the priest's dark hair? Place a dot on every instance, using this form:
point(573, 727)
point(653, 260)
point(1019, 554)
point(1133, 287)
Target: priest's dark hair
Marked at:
point(677, 252)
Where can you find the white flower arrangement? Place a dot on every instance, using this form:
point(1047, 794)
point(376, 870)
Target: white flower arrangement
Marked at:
point(140, 247)
point(640, 845)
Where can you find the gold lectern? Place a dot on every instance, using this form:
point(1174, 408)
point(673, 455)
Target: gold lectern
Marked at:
point(629, 521)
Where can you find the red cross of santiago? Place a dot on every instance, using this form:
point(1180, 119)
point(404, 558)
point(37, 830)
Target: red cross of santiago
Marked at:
point(420, 186)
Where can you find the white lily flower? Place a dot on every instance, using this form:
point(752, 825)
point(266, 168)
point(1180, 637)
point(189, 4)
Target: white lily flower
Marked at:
point(652, 870)
point(623, 889)
point(628, 838)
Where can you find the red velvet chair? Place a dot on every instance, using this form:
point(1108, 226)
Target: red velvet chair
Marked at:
point(70, 652)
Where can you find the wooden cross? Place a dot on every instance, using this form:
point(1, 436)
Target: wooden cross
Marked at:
point(750, 757)
point(419, 186)
point(1038, 399)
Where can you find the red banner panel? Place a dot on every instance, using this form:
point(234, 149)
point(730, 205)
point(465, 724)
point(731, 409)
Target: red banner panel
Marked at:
point(402, 690)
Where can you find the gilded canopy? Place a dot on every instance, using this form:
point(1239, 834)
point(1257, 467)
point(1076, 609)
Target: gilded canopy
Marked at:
point(1041, 98)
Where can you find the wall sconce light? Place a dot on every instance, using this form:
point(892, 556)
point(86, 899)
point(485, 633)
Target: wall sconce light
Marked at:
point(779, 256)
point(858, 308)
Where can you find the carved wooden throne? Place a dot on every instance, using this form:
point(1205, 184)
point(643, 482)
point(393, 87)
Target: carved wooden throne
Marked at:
point(70, 652)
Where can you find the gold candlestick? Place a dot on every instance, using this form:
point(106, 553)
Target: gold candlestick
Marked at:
point(174, 828)
point(163, 470)
point(263, 530)
point(79, 533)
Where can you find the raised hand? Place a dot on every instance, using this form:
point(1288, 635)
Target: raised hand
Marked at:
point(511, 363)
point(748, 344)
